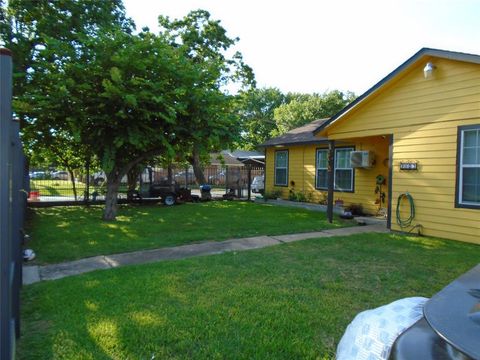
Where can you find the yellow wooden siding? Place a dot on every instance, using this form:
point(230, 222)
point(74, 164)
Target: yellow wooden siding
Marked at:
point(423, 115)
point(302, 173)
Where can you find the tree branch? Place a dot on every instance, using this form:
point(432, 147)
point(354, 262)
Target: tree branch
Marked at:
point(138, 160)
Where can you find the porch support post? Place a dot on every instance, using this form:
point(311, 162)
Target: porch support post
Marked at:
point(331, 173)
point(390, 177)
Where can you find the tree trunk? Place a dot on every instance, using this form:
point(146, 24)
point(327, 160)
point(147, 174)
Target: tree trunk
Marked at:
point(113, 183)
point(72, 179)
point(197, 166)
point(111, 206)
point(132, 177)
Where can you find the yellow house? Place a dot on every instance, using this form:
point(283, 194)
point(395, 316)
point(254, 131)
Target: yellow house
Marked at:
point(408, 147)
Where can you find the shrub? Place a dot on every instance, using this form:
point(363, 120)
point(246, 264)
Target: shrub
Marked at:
point(299, 196)
point(323, 198)
point(274, 194)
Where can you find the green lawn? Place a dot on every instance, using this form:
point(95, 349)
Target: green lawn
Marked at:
point(64, 187)
point(56, 187)
point(67, 233)
point(291, 301)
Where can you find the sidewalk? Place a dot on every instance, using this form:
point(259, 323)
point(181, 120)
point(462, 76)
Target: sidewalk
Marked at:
point(33, 274)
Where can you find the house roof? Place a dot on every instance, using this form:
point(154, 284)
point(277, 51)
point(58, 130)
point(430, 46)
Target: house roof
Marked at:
point(298, 136)
point(244, 154)
point(224, 159)
point(424, 52)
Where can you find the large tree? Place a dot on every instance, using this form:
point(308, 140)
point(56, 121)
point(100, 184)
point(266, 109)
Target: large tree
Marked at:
point(126, 97)
point(124, 102)
point(45, 36)
point(210, 121)
point(304, 108)
point(26, 26)
point(256, 109)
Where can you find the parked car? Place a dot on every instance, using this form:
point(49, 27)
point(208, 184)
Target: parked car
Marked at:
point(60, 175)
point(100, 177)
point(180, 177)
point(258, 185)
point(38, 175)
point(217, 179)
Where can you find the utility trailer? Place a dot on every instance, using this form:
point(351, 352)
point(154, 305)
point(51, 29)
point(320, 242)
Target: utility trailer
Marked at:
point(169, 194)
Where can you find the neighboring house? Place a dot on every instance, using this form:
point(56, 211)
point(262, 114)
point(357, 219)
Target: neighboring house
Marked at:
point(223, 159)
point(247, 157)
point(238, 158)
point(421, 123)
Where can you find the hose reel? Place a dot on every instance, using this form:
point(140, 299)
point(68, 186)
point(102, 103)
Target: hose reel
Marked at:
point(404, 223)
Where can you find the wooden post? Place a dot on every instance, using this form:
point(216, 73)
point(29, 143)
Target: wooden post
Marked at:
point(390, 177)
point(331, 176)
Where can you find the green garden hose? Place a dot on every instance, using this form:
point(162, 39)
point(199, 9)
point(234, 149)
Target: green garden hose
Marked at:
point(407, 222)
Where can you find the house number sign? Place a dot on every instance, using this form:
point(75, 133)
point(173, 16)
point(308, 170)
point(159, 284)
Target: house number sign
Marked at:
point(408, 165)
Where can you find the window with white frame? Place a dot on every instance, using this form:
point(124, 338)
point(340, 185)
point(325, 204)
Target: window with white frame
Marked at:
point(281, 168)
point(321, 181)
point(469, 166)
point(343, 178)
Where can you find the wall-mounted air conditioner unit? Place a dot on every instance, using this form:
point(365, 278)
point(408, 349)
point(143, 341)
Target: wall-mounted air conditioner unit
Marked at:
point(362, 159)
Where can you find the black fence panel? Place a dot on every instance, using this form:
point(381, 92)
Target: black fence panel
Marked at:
point(55, 186)
point(12, 206)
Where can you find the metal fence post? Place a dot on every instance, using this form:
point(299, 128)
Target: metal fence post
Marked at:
point(7, 324)
point(86, 197)
point(249, 179)
point(17, 211)
point(227, 190)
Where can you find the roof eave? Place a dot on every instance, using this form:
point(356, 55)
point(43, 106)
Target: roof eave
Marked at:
point(419, 54)
point(293, 143)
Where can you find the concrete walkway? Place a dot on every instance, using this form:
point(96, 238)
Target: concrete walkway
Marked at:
point(33, 274)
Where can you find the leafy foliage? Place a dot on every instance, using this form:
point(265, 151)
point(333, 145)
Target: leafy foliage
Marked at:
point(267, 112)
point(304, 108)
point(256, 110)
point(125, 97)
point(212, 123)
point(27, 26)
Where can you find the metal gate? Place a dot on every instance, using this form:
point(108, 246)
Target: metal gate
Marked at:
point(12, 210)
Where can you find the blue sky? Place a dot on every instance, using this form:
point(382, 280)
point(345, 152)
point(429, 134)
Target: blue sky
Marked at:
point(316, 46)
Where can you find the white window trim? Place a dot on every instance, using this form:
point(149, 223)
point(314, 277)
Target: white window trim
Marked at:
point(318, 168)
point(334, 171)
point(462, 166)
point(352, 170)
point(280, 168)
